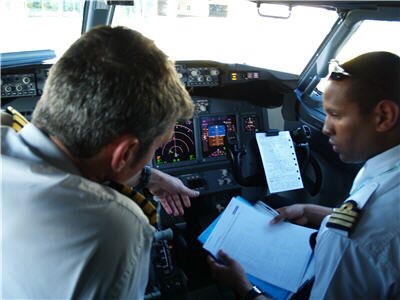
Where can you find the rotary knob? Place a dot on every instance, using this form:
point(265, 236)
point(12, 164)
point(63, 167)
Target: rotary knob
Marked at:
point(214, 72)
point(8, 88)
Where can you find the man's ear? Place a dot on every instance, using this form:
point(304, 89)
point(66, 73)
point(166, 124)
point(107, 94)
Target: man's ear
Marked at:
point(387, 115)
point(123, 151)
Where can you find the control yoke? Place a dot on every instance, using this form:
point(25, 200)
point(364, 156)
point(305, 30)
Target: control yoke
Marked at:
point(247, 165)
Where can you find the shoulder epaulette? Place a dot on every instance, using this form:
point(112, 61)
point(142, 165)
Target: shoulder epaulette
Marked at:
point(145, 204)
point(344, 217)
point(19, 121)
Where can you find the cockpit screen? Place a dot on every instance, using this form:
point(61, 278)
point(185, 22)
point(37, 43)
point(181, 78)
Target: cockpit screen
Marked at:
point(180, 148)
point(216, 131)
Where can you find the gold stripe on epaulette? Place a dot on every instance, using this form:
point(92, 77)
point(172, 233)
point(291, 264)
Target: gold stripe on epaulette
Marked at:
point(139, 199)
point(348, 208)
point(127, 190)
point(19, 121)
point(17, 127)
point(340, 222)
point(145, 204)
point(345, 209)
point(345, 217)
point(154, 218)
point(147, 207)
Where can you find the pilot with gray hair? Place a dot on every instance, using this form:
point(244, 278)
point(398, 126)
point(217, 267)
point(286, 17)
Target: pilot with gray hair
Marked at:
point(68, 228)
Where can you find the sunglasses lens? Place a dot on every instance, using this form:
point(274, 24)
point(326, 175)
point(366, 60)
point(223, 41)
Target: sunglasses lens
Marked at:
point(336, 76)
point(336, 71)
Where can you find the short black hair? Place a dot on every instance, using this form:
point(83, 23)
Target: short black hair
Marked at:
point(375, 76)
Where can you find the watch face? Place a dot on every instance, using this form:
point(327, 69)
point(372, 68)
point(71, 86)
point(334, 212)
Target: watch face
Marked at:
point(254, 292)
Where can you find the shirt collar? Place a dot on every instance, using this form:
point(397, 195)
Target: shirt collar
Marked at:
point(383, 161)
point(377, 165)
point(44, 148)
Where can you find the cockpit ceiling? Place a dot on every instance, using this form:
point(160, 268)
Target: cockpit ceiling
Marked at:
point(334, 5)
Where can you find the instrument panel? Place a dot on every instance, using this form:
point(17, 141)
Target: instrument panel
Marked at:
point(205, 138)
point(216, 133)
point(197, 152)
point(192, 76)
point(28, 83)
point(181, 148)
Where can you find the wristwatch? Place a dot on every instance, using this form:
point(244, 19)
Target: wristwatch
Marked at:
point(144, 178)
point(254, 292)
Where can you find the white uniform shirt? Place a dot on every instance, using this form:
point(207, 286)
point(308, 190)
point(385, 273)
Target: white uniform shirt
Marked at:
point(64, 236)
point(364, 264)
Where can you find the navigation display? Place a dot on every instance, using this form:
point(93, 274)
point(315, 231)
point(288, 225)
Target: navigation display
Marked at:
point(216, 131)
point(181, 147)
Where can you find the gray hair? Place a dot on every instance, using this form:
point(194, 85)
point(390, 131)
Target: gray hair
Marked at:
point(110, 82)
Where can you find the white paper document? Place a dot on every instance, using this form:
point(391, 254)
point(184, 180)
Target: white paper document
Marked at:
point(275, 253)
point(280, 162)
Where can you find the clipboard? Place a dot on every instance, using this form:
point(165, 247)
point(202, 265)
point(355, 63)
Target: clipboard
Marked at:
point(272, 290)
point(279, 161)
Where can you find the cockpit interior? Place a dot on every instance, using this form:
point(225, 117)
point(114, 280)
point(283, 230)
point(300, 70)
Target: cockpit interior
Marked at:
point(215, 152)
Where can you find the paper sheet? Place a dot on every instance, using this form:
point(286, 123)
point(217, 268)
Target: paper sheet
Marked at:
point(277, 254)
point(280, 162)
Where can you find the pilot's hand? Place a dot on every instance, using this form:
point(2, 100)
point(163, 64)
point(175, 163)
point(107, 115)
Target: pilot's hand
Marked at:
point(229, 272)
point(294, 213)
point(302, 214)
point(170, 191)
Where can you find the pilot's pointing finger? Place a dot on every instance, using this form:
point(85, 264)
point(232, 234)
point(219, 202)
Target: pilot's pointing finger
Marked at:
point(177, 201)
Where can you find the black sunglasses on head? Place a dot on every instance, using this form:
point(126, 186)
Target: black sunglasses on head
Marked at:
point(336, 71)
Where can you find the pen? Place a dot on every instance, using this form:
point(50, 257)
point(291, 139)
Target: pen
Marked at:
point(264, 206)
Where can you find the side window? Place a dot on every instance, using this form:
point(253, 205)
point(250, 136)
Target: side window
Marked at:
point(372, 35)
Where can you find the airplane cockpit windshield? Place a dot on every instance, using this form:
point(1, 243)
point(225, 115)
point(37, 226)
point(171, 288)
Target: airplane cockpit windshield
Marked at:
point(185, 30)
point(230, 31)
point(38, 25)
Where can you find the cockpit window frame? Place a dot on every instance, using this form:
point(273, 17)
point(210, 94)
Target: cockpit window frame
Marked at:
point(308, 107)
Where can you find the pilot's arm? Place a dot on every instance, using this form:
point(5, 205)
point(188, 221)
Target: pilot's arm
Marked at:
point(303, 214)
point(169, 190)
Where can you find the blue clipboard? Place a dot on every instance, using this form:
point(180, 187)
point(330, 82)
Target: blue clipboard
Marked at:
point(272, 290)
